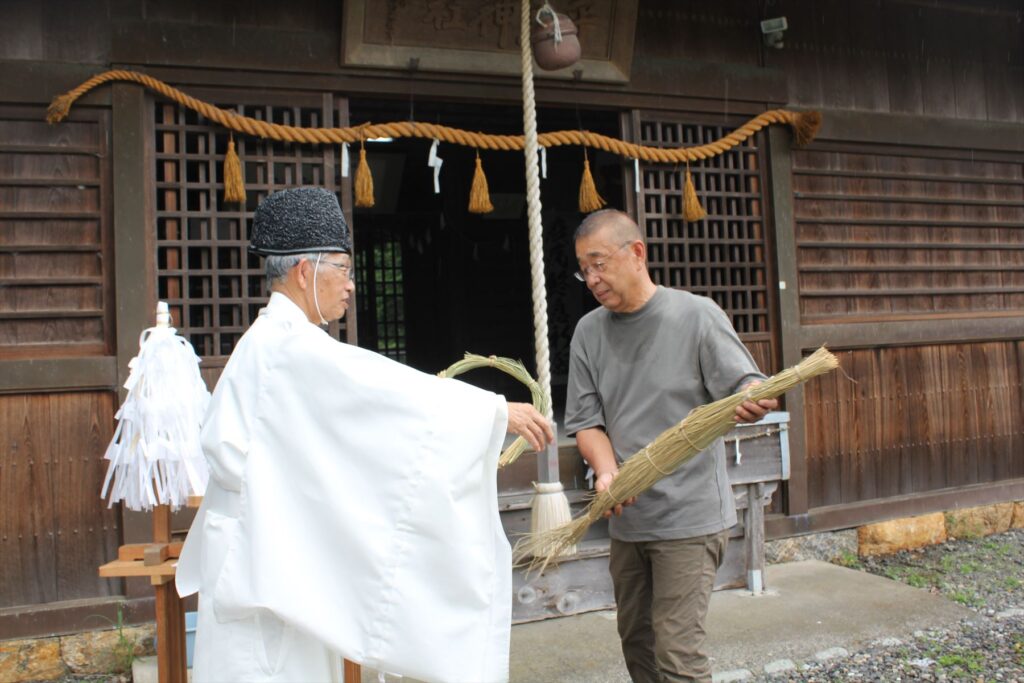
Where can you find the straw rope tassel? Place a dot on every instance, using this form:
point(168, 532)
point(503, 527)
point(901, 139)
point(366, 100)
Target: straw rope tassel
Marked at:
point(590, 200)
point(234, 185)
point(479, 197)
point(692, 210)
point(805, 126)
point(364, 181)
point(550, 506)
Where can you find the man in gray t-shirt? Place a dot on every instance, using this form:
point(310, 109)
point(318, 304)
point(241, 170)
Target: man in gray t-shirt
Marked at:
point(638, 365)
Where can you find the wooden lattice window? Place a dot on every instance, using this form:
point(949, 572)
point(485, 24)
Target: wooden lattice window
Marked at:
point(214, 287)
point(724, 256)
point(381, 288)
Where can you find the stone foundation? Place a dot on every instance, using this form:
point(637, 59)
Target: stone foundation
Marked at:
point(90, 653)
point(979, 521)
point(827, 547)
point(1018, 515)
point(901, 534)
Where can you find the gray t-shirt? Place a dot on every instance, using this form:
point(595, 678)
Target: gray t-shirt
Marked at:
point(637, 374)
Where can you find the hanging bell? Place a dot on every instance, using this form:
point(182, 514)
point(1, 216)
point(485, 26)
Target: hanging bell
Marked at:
point(552, 54)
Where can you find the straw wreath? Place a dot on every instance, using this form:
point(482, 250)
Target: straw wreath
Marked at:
point(661, 457)
point(515, 369)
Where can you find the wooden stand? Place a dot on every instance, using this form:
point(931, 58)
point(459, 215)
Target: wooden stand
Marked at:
point(158, 561)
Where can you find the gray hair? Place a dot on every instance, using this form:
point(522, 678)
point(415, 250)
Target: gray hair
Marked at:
point(624, 227)
point(278, 266)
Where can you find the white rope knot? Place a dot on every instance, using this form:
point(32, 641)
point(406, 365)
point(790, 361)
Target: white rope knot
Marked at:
point(549, 10)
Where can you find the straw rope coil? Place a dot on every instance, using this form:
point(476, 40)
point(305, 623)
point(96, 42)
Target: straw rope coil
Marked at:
point(804, 124)
point(511, 367)
point(665, 454)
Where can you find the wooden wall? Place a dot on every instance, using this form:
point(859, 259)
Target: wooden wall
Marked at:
point(915, 419)
point(53, 526)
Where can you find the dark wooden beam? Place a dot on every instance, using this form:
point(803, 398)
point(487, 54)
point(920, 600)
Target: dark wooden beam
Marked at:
point(877, 334)
point(836, 517)
point(30, 82)
point(73, 616)
point(901, 129)
point(57, 374)
point(133, 224)
point(380, 83)
point(780, 184)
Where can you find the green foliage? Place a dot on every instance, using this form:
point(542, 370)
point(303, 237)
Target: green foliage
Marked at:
point(1012, 583)
point(968, 567)
point(848, 559)
point(966, 598)
point(917, 579)
point(123, 653)
point(124, 648)
point(962, 662)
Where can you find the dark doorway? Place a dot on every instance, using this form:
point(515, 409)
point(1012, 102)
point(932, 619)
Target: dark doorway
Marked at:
point(435, 281)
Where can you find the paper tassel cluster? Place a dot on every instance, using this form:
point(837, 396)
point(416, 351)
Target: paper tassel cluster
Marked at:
point(155, 456)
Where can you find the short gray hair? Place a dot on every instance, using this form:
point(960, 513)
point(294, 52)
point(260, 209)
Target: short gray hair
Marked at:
point(278, 266)
point(625, 228)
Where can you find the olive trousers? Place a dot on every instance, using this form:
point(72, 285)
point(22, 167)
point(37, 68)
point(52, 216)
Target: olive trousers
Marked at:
point(663, 589)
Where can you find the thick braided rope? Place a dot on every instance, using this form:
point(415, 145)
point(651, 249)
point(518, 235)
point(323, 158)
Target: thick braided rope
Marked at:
point(533, 211)
point(274, 131)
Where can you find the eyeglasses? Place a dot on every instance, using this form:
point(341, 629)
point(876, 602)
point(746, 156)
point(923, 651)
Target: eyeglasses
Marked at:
point(597, 266)
point(347, 270)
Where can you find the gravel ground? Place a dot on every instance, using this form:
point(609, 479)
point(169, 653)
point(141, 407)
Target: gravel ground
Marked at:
point(983, 574)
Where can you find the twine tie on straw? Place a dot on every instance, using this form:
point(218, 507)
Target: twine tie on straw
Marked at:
point(686, 436)
point(647, 452)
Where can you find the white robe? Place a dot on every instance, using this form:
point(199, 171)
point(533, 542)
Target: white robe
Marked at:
point(352, 512)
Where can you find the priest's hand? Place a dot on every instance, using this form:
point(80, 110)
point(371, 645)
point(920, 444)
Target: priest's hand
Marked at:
point(752, 411)
point(524, 420)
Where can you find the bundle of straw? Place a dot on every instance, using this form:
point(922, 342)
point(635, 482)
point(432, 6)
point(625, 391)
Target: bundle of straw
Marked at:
point(662, 456)
point(515, 369)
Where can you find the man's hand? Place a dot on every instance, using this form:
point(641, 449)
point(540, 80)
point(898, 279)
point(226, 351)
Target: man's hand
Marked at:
point(750, 411)
point(601, 484)
point(524, 420)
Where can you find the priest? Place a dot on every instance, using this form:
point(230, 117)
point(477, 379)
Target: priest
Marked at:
point(352, 508)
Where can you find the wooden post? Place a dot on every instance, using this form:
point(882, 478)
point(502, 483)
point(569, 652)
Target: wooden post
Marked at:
point(172, 661)
point(172, 664)
point(353, 672)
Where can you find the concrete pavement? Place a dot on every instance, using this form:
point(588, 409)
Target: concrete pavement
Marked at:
point(808, 607)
